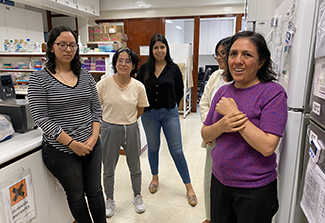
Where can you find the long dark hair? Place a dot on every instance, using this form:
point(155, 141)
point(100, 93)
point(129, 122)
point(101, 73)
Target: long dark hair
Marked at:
point(150, 64)
point(132, 56)
point(50, 64)
point(265, 73)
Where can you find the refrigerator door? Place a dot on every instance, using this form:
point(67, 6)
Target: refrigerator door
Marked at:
point(301, 53)
point(290, 167)
point(318, 95)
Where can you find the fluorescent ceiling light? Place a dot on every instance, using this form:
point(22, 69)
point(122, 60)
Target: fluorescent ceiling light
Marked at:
point(168, 21)
point(178, 27)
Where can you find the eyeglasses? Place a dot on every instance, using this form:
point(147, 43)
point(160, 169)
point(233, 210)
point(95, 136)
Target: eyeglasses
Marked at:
point(124, 61)
point(63, 46)
point(222, 54)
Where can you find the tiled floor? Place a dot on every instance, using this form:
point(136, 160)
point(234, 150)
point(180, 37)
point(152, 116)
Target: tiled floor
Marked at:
point(169, 203)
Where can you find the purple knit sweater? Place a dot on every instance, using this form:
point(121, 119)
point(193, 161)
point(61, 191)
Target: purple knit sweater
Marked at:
point(235, 162)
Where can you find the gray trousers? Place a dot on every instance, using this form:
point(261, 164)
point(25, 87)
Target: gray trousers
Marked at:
point(113, 137)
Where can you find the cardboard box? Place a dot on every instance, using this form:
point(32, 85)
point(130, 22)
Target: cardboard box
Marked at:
point(97, 30)
point(98, 37)
point(120, 29)
point(119, 37)
point(91, 37)
point(105, 37)
point(116, 46)
point(112, 28)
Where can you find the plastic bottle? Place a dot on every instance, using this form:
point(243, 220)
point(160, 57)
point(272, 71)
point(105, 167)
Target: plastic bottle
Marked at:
point(37, 47)
point(109, 47)
point(29, 46)
point(17, 45)
point(6, 45)
point(22, 46)
point(11, 46)
point(43, 47)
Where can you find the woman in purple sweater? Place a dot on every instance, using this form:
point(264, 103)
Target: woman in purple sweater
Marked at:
point(247, 119)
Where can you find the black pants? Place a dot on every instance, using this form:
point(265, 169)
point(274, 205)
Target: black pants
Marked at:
point(243, 205)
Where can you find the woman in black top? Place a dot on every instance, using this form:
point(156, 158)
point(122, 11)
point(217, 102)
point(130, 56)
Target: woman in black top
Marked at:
point(164, 86)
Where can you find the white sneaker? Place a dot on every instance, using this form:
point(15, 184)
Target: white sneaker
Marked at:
point(139, 205)
point(109, 207)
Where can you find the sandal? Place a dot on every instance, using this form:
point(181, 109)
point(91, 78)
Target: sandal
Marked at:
point(153, 188)
point(192, 200)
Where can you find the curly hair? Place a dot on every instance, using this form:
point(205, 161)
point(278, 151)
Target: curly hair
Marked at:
point(132, 55)
point(50, 56)
point(265, 73)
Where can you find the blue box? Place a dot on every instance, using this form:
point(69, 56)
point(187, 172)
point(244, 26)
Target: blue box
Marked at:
point(12, 3)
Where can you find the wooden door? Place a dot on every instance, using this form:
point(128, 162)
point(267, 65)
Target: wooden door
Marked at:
point(140, 31)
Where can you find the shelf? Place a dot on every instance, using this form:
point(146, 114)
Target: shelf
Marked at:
point(97, 72)
point(18, 70)
point(26, 54)
point(23, 54)
point(18, 92)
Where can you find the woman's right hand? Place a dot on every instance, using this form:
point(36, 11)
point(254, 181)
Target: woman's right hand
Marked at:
point(80, 148)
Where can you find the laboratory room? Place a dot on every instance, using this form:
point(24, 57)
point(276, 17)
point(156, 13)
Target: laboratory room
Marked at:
point(89, 133)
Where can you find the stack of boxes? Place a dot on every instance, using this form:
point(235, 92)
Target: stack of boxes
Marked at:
point(107, 32)
point(94, 64)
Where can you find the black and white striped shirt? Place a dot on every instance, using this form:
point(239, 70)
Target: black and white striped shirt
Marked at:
point(56, 107)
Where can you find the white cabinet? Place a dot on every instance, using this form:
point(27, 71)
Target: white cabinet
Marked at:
point(95, 7)
point(15, 23)
point(213, 30)
point(3, 27)
point(34, 26)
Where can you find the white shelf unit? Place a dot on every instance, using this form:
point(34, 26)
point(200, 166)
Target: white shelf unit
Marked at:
point(15, 56)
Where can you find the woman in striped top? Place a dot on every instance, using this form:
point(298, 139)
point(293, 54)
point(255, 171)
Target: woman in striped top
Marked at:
point(64, 104)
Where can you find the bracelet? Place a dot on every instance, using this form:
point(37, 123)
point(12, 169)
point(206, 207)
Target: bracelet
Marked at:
point(69, 143)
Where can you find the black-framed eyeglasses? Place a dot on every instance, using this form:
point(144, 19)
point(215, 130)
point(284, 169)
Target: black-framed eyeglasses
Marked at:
point(222, 54)
point(63, 46)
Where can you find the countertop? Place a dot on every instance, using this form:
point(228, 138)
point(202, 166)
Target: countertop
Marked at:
point(19, 144)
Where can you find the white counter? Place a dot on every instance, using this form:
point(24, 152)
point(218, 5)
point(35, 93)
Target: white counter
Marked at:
point(19, 144)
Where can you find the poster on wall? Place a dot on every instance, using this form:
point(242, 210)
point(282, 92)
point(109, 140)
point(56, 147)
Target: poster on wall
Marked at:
point(18, 199)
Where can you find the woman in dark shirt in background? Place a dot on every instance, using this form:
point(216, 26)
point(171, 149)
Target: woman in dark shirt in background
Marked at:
point(164, 85)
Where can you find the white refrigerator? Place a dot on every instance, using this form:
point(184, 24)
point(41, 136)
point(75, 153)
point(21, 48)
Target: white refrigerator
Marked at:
point(293, 40)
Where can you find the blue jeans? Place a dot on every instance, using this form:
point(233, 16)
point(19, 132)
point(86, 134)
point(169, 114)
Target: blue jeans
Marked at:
point(79, 176)
point(167, 119)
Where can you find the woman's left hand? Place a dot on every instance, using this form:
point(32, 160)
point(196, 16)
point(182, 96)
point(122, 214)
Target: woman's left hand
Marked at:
point(227, 106)
point(91, 141)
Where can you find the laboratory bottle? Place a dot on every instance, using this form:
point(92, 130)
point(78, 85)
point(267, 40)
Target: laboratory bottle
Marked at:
point(37, 47)
point(6, 45)
point(43, 47)
point(22, 46)
point(11, 46)
point(17, 45)
point(29, 46)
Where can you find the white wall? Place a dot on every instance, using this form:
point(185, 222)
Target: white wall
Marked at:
point(169, 12)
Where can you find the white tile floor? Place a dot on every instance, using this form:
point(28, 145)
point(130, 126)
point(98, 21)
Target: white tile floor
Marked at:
point(169, 203)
